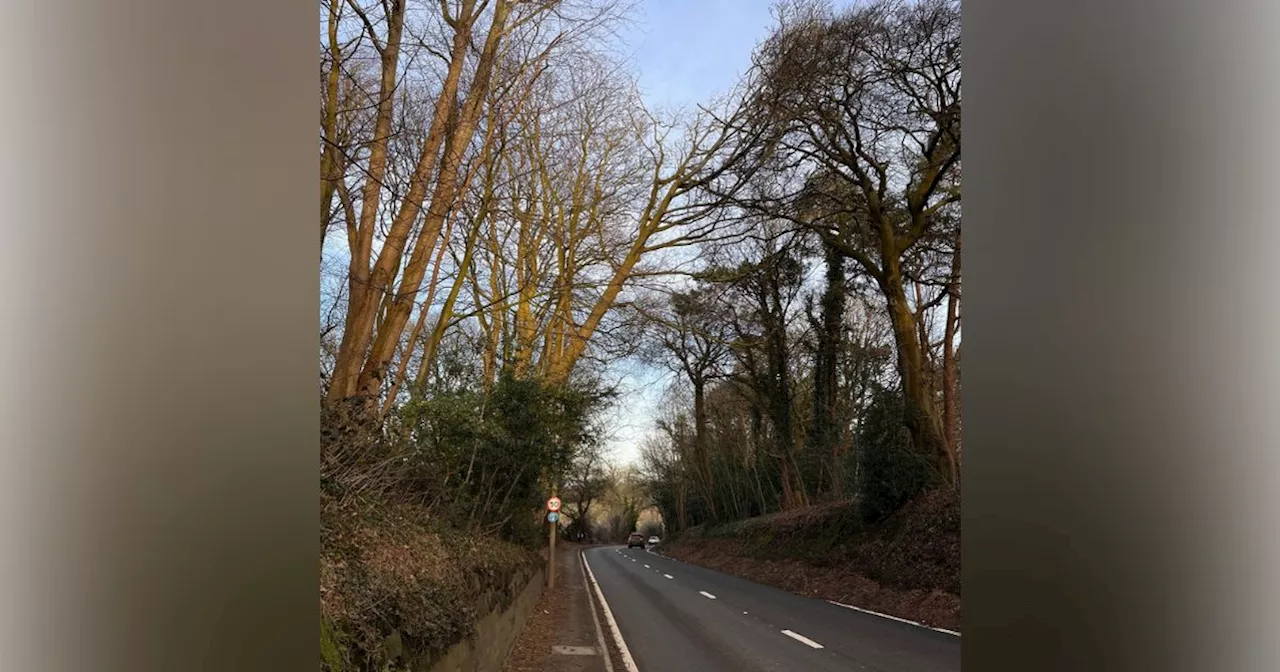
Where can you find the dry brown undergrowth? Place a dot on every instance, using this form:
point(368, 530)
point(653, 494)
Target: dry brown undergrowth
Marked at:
point(390, 570)
point(908, 566)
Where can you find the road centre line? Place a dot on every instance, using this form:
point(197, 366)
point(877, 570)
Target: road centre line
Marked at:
point(802, 639)
point(707, 595)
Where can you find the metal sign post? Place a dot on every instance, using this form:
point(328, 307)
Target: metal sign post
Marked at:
point(553, 517)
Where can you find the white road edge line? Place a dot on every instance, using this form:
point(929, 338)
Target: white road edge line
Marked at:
point(669, 576)
point(627, 660)
point(802, 639)
point(894, 618)
point(604, 650)
point(707, 595)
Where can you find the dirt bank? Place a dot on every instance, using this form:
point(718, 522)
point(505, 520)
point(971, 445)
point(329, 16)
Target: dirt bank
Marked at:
point(906, 566)
point(399, 590)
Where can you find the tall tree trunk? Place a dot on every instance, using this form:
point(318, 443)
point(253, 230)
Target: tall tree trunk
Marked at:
point(359, 368)
point(826, 377)
point(399, 304)
point(497, 321)
point(360, 294)
point(923, 419)
point(950, 410)
point(700, 445)
point(781, 398)
point(922, 331)
point(576, 342)
point(526, 269)
point(331, 168)
point(446, 310)
point(756, 440)
point(682, 510)
point(402, 368)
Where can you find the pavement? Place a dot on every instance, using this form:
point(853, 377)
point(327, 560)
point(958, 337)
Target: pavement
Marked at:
point(674, 616)
point(562, 634)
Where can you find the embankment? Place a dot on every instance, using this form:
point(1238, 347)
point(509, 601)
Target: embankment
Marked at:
point(907, 565)
point(398, 592)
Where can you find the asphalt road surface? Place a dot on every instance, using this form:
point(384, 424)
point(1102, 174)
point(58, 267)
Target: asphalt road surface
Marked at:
point(674, 616)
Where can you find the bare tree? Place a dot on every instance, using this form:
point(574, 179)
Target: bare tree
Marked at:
point(864, 148)
point(767, 284)
point(695, 339)
point(588, 482)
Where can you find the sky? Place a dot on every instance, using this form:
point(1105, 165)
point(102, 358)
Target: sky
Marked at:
point(688, 51)
point(685, 52)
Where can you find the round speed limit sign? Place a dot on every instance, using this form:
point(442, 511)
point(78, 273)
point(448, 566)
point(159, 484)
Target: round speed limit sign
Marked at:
point(553, 504)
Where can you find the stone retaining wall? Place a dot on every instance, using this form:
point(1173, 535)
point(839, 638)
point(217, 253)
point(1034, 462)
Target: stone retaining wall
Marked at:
point(486, 650)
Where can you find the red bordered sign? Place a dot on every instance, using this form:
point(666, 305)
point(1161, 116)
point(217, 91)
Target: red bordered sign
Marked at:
point(553, 504)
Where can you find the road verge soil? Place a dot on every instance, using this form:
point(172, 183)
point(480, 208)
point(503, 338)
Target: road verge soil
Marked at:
point(560, 635)
point(907, 566)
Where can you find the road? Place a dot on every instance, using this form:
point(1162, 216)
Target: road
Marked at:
point(674, 616)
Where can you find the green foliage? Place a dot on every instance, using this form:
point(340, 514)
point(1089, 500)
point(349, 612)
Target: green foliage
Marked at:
point(484, 457)
point(890, 471)
point(332, 658)
point(418, 511)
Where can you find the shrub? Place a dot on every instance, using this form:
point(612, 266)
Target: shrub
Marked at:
point(890, 471)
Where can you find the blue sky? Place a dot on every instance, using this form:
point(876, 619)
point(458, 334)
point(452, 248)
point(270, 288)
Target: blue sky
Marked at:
point(686, 52)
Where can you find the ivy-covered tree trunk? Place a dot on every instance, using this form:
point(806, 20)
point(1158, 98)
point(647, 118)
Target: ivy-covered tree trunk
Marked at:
point(825, 432)
point(707, 483)
point(781, 398)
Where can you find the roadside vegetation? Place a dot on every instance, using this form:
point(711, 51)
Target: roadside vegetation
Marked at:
point(503, 221)
point(818, 359)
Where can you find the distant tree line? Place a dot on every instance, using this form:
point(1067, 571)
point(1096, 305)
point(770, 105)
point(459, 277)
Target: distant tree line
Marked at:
point(504, 219)
point(817, 356)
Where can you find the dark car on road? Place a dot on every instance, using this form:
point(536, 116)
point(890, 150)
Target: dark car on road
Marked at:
point(636, 540)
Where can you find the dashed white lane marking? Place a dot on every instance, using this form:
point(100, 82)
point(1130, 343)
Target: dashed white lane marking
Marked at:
point(707, 595)
point(627, 661)
point(669, 576)
point(646, 566)
point(802, 639)
point(894, 618)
